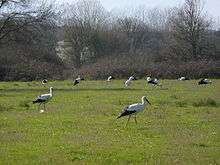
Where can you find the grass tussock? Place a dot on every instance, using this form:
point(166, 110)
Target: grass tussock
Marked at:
point(4, 108)
point(200, 145)
point(16, 84)
point(209, 102)
point(25, 104)
point(174, 97)
point(163, 103)
point(181, 103)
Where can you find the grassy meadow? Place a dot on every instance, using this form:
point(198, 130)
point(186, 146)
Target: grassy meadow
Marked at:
point(182, 126)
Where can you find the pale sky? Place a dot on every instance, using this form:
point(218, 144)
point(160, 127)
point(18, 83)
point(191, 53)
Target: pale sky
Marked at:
point(212, 6)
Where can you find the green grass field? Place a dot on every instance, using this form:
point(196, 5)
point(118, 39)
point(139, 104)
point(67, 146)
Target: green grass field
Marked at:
point(80, 127)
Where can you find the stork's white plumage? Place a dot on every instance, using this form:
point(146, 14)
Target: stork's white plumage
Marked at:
point(133, 109)
point(77, 80)
point(128, 82)
point(183, 78)
point(148, 78)
point(44, 82)
point(110, 78)
point(133, 78)
point(153, 81)
point(43, 99)
point(204, 82)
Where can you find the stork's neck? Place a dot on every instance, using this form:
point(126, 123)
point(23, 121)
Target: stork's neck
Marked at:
point(144, 102)
point(51, 91)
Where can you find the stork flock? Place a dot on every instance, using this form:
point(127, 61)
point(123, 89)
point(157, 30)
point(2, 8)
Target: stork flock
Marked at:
point(130, 110)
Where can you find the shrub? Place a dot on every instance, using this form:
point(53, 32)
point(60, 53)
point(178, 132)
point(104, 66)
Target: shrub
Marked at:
point(123, 66)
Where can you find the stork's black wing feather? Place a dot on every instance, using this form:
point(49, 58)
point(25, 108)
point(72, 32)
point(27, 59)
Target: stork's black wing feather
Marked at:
point(152, 82)
point(38, 101)
point(76, 82)
point(125, 112)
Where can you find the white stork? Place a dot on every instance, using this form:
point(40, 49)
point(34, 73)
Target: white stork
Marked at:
point(183, 78)
point(133, 78)
point(128, 82)
point(44, 82)
point(133, 109)
point(110, 78)
point(43, 99)
point(77, 80)
point(204, 81)
point(153, 81)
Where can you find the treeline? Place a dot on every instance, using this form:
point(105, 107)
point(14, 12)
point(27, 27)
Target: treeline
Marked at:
point(84, 38)
point(28, 41)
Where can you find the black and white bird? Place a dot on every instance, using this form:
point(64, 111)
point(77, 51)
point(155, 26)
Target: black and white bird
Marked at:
point(133, 109)
point(153, 81)
point(128, 82)
point(110, 78)
point(77, 80)
point(183, 78)
point(133, 78)
point(43, 99)
point(204, 81)
point(44, 82)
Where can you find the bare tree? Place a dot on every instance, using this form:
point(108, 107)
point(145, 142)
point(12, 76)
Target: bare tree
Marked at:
point(189, 28)
point(28, 40)
point(84, 20)
point(16, 15)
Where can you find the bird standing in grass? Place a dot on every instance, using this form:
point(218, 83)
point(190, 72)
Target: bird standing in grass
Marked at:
point(133, 78)
point(43, 99)
point(153, 81)
point(44, 82)
point(110, 78)
point(204, 81)
point(183, 78)
point(133, 109)
point(77, 80)
point(128, 82)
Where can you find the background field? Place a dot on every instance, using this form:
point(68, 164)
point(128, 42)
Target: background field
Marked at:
point(181, 127)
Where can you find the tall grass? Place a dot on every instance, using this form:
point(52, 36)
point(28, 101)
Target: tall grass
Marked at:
point(209, 102)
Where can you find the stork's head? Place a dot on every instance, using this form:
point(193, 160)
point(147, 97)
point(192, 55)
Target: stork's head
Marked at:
point(145, 100)
point(148, 78)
